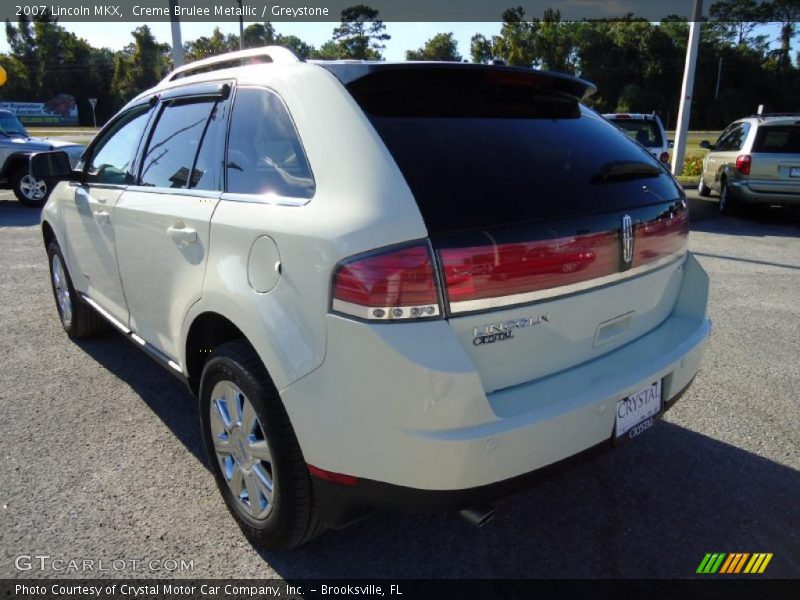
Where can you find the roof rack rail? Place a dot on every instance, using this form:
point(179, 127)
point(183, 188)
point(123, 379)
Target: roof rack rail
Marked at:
point(778, 114)
point(271, 54)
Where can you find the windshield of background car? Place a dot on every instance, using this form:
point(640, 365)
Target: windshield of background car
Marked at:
point(482, 147)
point(644, 131)
point(10, 125)
point(778, 139)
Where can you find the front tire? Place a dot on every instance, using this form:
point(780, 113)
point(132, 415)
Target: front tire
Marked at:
point(30, 192)
point(253, 451)
point(78, 319)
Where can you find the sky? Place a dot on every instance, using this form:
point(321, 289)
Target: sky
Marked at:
point(405, 36)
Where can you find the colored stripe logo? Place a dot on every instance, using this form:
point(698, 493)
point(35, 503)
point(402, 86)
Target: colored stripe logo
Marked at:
point(734, 563)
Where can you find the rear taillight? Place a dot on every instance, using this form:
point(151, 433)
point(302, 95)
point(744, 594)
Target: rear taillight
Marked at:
point(664, 158)
point(662, 237)
point(506, 270)
point(743, 162)
point(394, 284)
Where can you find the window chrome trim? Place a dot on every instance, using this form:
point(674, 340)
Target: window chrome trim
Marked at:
point(269, 198)
point(147, 189)
point(467, 306)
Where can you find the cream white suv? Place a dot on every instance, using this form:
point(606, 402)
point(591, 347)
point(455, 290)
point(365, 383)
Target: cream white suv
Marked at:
point(413, 286)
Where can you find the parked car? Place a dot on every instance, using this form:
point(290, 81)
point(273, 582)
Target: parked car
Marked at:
point(410, 285)
point(646, 130)
point(756, 160)
point(16, 146)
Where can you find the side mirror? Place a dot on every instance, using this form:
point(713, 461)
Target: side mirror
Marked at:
point(705, 144)
point(670, 143)
point(53, 165)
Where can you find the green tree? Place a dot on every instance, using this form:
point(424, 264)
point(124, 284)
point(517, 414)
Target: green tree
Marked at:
point(361, 34)
point(481, 49)
point(740, 17)
point(442, 46)
point(259, 34)
point(516, 44)
point(330, 50)
point(204, 47)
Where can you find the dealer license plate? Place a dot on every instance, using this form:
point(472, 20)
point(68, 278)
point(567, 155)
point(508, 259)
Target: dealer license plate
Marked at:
point(794, 172)
point(635, 413)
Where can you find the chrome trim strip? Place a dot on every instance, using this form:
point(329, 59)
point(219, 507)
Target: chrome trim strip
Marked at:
point(581, 286)
point(272, 199)
point(104, 313)
point(145, 345)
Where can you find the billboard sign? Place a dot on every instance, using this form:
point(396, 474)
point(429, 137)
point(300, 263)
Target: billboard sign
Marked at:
point(60, 110)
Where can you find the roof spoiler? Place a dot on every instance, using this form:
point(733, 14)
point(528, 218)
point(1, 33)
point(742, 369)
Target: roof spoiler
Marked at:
point(580, 89)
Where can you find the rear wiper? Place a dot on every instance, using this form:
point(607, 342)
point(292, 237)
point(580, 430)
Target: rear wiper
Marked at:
point(625, 170)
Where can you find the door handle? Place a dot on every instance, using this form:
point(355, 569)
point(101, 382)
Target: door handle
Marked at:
point(182, 234)
point(102, 216)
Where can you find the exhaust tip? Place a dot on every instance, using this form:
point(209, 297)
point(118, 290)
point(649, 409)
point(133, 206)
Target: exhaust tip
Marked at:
point(478, 515)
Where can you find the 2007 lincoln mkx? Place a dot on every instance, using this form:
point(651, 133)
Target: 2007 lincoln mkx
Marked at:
point(315, 247)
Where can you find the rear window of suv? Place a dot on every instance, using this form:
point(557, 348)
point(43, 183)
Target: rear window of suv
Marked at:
point(487, 147)
point(778, 139)
point(644, 131)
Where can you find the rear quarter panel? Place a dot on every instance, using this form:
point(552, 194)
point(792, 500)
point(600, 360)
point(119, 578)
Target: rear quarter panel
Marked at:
point(361, 203)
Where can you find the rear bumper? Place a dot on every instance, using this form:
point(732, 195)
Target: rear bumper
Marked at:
point(340, 505)
point(767, 193)
point(403, 410)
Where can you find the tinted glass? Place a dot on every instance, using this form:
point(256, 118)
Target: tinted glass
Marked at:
point(733, 140)
point(643, 131)
point(112, 156)
point(264, 152)
point(478, 155)
point(207, 174)
point(10, 125)
point(174, 144)
point(780, 139)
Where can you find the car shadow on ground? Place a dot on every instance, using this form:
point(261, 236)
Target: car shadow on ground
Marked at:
point(751, 221)
point(13, 214)
point(166, 395)
point(673, 492)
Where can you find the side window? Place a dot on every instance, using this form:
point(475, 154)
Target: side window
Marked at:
point(113, 154)
point(739, 137)
point(207, 174)
point(173, 145)
point(733, 138)
point(264, 151)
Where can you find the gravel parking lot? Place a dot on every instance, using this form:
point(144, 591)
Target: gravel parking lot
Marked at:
point(101, 456)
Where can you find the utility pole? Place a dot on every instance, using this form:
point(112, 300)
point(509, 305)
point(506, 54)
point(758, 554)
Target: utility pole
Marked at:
point(719, 76)
point(687, 88)
point(241, 25)
point(177, 43)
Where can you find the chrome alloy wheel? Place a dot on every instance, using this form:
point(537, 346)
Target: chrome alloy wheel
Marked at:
point(33, 189)
point(242, 449)
point(62, 291)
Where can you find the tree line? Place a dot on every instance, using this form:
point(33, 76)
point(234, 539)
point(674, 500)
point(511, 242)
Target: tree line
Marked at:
point(637, 65)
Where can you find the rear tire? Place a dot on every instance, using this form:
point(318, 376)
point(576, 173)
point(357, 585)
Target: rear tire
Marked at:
point(256, 460)
point(727, 205)
point(78, 319)
point(702, 189)
point(30, 192)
